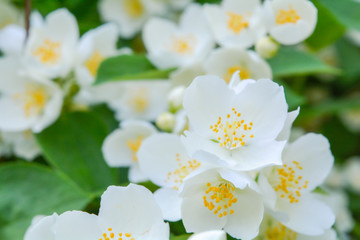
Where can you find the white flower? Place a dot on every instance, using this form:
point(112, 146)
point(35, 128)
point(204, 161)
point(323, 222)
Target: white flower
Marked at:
point(290, 21)
point(12, 40)
point(272, 229)
point(120, 148)
point(287, 188)
point(128, 213)
point(163, 158)
point(24, 144)
point(93, 48)
point(185, 75)
point(266, 47)
point(129, 15)
point(209, 235)
point(351, 119)
point(224, 62)
point(171, 46)
point(50, 48)
point(222, 199)
point(5, 147)
point(351, 173)
point(176, 97)
point(140, 99)
point(234, 126)
point(236, 23)
point(336, 178)
point(26, 102)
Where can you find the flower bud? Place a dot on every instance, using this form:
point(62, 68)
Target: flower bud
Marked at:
point(166, 121)
point(175, 98)
point(266, 47)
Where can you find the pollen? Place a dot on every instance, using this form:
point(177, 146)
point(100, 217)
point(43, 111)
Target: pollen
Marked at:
point(33, 99)
point(289, 182)
point(110, 235)
point(287, 16)
point(219, 198)
point(236, 22)
point(94, 62)
point(184, 169)
point(231, 131)
point(244, 73)
point(279, 232)
point(183, 45)
point(134, 8)
point(134, 145)
point(48, 52)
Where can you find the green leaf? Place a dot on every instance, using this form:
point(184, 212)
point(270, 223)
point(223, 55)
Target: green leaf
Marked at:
point(349, 59)
point(29, 189)
point(346, 11)
point(182, 237)
point(128, 67)
point(292, 62)
point(322, 37)
point(335, 106)
point(73, 145)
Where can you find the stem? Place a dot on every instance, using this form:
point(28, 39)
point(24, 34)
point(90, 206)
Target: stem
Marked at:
point(27, 16)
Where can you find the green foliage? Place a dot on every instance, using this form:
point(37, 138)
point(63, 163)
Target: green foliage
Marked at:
point(27, 190)
point(322, 36)
point(292, 62)
point(182, 237)
point(349, 59)
point(346, 12)
point(128, 67)
point(73, 145)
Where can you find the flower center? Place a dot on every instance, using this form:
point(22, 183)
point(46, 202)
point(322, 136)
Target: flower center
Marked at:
point(183, 170)
point(183, 45)
point(289, 183)
point(134, 8)
point(244, 73)
point(287, 16)
point(139, 100)
point(33, 99)
point(48, 52)
point(219, 198)
point(93, 63)
point(232, 132)
point(280, 232)
point(121, 236)
point(134, 145)
point(236, 22)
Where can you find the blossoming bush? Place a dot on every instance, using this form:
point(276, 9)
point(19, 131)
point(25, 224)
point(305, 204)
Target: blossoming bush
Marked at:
point(179, 119)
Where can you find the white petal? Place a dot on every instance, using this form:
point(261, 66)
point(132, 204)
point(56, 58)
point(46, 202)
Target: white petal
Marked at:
point(328, 235)
point(136, 175)
point(170, 203)
point(313, 153)
point(309, 216)
point(75, 225)
point(205, 100)
point(42, 229)
point(248, 213)
point(209, 235)
point(129, 209)
point(285, 132)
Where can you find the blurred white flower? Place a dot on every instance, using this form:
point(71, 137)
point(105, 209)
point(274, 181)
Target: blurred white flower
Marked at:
point(163, 158)
point(176, 97)
point(290, 21)
point(51, 46)
point(209, 235)
point(351, 119)
point(128, 213)
point(236, 23)
point(184, 76)
point(224, 62)
point(120, 148)
point(288, 188)
point(166, 121)
point(94, 47)
point(336, 178)
point(12, 40)
point(272, 229)
point(171, 46)
point(266, 47)
point(351, 173)
point(26, 102)
point(23, 144)
point(140, 99)
point(222, 199)
point(8, 14)
point(5, 147)
point(129, 15)
point(223, 123)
